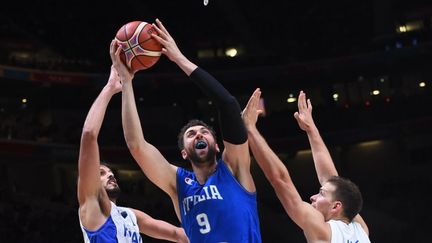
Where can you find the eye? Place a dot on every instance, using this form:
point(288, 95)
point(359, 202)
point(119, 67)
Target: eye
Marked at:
point(190, 134)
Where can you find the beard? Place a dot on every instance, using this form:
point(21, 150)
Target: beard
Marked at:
point(195, 158)
point(113, 193)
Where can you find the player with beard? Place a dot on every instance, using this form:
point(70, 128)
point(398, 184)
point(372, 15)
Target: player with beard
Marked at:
point(216, 202)
point(100, 218)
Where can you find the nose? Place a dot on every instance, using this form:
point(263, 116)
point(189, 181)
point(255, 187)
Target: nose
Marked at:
point(313, 198)
point(110, 176)
point(199, 135)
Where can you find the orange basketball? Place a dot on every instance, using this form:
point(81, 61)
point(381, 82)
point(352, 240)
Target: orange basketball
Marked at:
point(140, 50)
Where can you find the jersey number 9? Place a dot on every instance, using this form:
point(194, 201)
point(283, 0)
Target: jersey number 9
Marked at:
point(202, 220)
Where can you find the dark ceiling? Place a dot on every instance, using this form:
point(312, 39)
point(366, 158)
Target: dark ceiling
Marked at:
point(267, 32)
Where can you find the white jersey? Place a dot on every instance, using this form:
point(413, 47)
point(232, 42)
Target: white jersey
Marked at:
point(120, 227)
point(347, 233)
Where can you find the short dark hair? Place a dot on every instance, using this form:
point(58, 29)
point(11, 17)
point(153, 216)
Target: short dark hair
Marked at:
point(105, 164)
point(192, 123)
point(109, 166)
point(349, 194)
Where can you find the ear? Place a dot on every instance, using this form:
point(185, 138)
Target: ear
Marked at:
point(337, 206)
point(217, 148)
point(183, 154)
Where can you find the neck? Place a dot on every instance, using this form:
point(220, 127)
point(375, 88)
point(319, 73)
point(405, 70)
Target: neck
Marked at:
point(340, 218)
point(204, 170)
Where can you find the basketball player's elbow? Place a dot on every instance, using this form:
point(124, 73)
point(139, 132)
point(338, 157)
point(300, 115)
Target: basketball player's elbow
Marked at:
point(89, 134)
point(132, 145)
point(135, 145)
point(279, 179)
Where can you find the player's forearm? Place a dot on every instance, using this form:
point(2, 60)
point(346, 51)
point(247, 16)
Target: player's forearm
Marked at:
point(211, 86)
point(268, 161)
point(324, 165)
point(131, 123)
point(88, 162)
point(184, 64)
point(277, 174)
point(96, 113)
point(232, 126)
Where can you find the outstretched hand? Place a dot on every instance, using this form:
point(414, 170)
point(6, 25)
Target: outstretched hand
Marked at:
point(170, 48)
point(252, 111)
point(304, 113)
point(124, 74)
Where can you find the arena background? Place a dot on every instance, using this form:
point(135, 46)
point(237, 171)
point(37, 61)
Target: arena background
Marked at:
point(366, 65)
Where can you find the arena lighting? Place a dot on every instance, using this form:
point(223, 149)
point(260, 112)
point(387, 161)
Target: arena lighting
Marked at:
point(335, 96)
point(291, 98)
point(422, 84)
point(414, 25)
point(410, 26)
point(206, 53)
point(402, 29)
point(24, 100)
point(231, 52)
point(375, 92)
point(304, 152)
point(126, 173)
point(372, 143)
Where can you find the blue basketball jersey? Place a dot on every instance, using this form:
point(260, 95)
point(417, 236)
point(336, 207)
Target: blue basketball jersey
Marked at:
point(221, 210)
point(120, 227)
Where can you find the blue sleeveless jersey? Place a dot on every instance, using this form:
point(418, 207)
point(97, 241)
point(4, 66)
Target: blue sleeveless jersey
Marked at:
point(120, 227)
point(221, 210)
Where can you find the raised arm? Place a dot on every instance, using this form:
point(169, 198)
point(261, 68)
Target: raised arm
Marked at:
point(151, 161)
point(323, 162)
point(324, 165)
point(303, 214)
point(88, 162)
point(92, 198)
point(236, 153)
point(159, 229)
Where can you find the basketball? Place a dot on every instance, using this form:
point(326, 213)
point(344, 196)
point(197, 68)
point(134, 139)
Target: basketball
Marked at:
point(139, 50)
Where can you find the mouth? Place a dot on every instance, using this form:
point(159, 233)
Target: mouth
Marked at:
point(201, 144)
point(112, 182)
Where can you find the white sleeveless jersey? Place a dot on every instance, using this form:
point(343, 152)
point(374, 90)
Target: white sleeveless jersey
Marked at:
point(120, 227)
point(347, 233)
